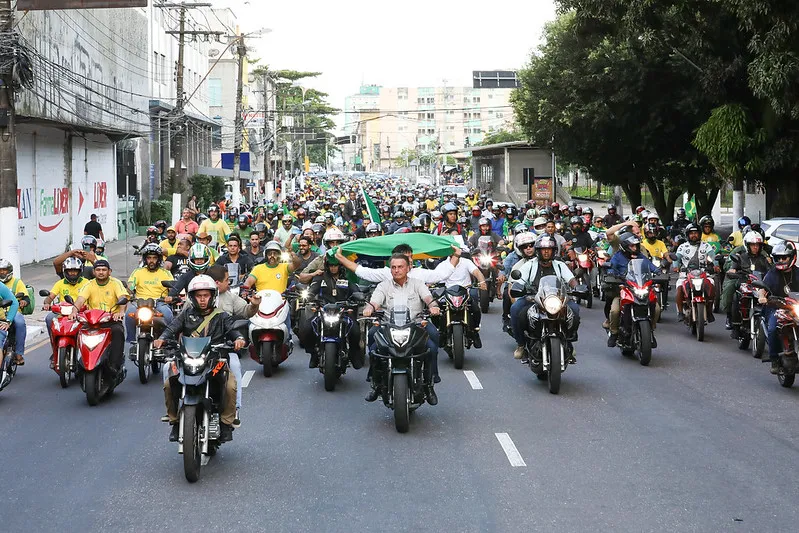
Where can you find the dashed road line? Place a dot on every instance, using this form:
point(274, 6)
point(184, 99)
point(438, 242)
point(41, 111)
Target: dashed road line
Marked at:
point(473, 381)
point(245, 380)
point(514, 457)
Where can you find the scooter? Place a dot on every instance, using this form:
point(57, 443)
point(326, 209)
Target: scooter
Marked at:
point(64, 339)
point(94, 343)
point(270, 341)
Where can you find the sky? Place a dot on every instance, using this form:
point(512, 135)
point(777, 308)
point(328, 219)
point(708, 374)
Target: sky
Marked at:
point(408, 43)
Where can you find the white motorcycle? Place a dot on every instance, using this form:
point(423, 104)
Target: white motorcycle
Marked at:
point(270, 341)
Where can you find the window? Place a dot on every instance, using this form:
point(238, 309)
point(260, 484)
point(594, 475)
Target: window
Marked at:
point(476, 100)
point(499, 114)
point(466, 131)
point(452, 143)
point(476, 115)
point(420, 100)
point(490, 96)
point(465, 99)
point(465, 116)
point(156, 71)
point(431, 116)
point(431, 100)
point(163, 69)
point(402, 128)
point(214, 92)
point(402, 93)
point(490, 111)
point(787, 232)
point(420, 131)
point(450, 112)
point(420, 116)
point(431, 131)
point(451, 128)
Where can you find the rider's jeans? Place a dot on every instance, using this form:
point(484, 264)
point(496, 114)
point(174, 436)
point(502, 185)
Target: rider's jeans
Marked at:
point(518, 319)
point(130, 322)
point(774, 341)
point(21, 332)
point(235, 367)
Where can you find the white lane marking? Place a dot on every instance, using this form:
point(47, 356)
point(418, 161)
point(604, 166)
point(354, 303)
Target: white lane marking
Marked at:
point(473, 381)
point(514, 457)
point(246, 379)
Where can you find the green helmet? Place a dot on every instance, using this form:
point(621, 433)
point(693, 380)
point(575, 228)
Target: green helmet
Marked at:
point(199, 251)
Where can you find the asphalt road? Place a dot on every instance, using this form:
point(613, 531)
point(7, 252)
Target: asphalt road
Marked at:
point(701, 440)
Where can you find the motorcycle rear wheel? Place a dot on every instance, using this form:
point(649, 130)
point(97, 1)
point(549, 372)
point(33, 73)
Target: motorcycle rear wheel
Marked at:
point(645, 346)
point(64, 373)
point(786, 379)
point(331, 366)
point(457, 345)
point(554, 365)
point(267, 351)
point(402, 412)
point(192, 462)
point(759, 346)
point(91, 382)
point(142, 349)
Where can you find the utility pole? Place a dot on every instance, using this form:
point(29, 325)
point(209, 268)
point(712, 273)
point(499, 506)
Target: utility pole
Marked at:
point(241, 51)
point(179, 139)
point(9, 238)
point(267, 139)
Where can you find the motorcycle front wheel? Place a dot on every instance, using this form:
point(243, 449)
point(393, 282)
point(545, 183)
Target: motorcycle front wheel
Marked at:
point(554, 365)
point(402, 411)
point(699, 321)
point(330, 366)
point(64, 372)
point(91, 382)
point(645, 342)
point(142, 351)
point(192, 462)
point(485, 299)
point(457, 345)
point(267, 351)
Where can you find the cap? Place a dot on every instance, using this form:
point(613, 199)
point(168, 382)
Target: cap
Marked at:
point(102, 263)
point(172, 228)
point(203, 235)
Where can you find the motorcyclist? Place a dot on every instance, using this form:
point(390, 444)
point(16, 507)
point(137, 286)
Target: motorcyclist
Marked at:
point(679, 224)
point(145, 282)
point(331, 287)
point(737, 238)
point(203, 319)
point(692, 255)
point(781, 279)
point(474, 220)
point(544, 264)
point(612, 218)
point(242, 226)
point(17, 286)
point(161, 226)
point(103, 292)
point(332, 238)
point(485, 230)
point(629, 248)
point(462, 277)
point(399, 222)
point(450, 222)
point(215, 226)
point(178, 263)
point(70, 285)
point(170, 244)
point(577, 237)
point(750, 258)
point(551, 229)
point(708, 226)
point(199, 261)
point(99, 249)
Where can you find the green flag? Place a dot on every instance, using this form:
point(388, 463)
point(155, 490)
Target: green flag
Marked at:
point(374, 214)
point(690, 209)
point(424, 246)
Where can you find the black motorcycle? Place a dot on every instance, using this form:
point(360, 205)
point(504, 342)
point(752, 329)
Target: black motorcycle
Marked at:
point(149, 326)
point(8, 367)
point(547, 318)
point(400, 344)
point(453, 323)
point(331, 325)
point(198, 372)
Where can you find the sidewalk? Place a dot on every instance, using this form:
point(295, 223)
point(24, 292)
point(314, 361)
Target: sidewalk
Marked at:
point(42, 275)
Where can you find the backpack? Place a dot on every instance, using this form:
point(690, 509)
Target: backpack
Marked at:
point(28, 309)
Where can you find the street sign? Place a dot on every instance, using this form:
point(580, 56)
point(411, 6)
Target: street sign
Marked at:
point(244, 165)
point(250, 184)
point(31, 5)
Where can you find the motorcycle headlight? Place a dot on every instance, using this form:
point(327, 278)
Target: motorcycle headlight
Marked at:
point(304, 294)
point(400, 336)
point(193, 364)
point(795, 309)
point(92, 341)
point(553, 305)
point(485, 261)
point(145, 314)
point(582, 257)
point(641, 292)
point(66, 310)
point(697, 283)
point(457, 301)
point(331, 319)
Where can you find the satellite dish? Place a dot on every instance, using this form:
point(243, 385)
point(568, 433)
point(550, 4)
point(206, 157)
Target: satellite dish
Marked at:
point(213, 52)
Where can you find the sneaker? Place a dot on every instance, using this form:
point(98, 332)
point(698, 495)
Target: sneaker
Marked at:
point(225, 432)
point(606, 324)
point(680, 316)
point(314, 362)
point(372, 395)
point(173, 433)
point(237, 420)
point(612, 340)
point(436, 379)
point(132, 353)
point(572, 359)
point(476, 341)
point(727, 324)
point(165, 418)
point(518, 352)
point(52, 365)
point(775, 366)
point(711, 318)
point(430, 395)
point(19, 360)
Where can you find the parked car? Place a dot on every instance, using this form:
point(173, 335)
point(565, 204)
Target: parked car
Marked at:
point(459, 191)
point(781, 229)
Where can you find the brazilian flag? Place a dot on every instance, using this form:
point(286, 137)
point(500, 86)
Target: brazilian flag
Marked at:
point(690, 209)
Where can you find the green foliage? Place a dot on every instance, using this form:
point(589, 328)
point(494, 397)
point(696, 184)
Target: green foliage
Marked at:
point(208, 189)
point(502, 136)
point(159, 210)
point(410, 155)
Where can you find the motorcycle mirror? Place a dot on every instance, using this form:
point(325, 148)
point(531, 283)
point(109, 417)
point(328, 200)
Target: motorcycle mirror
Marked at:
point(5, 303)
point(358, 296)
point(123, 301)
point(44, 292)
point(517, 290)
point(69, 300)
point(168, 283)
point(241, 325)
point(516, 274)
point(672, 256)
point(581, 289)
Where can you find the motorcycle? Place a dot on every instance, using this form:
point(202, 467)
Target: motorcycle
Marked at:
point(546, 335)
point(198, 371)
point(149, 326)
point(8, 368)
point(637, 298)
point(661, 281)
point(788, 331)
point(751, 330)
point(332, 325)
point(64, 339)
point(297, 297)
point(602, 258)
point(270, 341)
point(487, 259)
point(400, 343)
point(94, 344)
point(694, 309)
point(582, 265)
point(453, 322)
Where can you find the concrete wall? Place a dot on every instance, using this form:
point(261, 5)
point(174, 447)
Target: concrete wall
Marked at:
point(62, 180)
point(539, 160)
point(107, 51)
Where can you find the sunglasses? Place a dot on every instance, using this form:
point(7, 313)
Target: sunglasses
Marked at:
point(525, 246)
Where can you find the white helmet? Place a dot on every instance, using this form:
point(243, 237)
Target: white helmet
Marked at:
point(523, 238)
point(333, 235)
point(202, 282)
point(539, 221)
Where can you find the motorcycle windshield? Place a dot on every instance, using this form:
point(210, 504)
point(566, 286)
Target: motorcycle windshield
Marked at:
point(550, 286)
point(484, 244)
point(194, 346)
point(233, 274)
point(400, 315)
point(637, 272)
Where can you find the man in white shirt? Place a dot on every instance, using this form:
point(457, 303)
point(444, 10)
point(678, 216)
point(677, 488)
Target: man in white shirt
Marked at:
point(376, 275)
point(462, 277)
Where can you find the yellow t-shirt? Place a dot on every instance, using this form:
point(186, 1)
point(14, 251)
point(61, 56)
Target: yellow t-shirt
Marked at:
point(657, 249)
point(18, 283)
point(105, 296)
point(710, 237)
point(169, 249)
point(62, 289)
point(276, 278)
point(737, 239)
point(217, 230)
point(146, 284)
point(431, 204)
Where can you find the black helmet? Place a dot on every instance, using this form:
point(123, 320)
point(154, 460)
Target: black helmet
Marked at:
point(707, 220)
point(575, 220)
point(545, 242)
point(629, 240)
point(784, 255)
point(260, 227)
point(680, 213)
point(243, 220)
point(161, 224)
point(743, 222)
point(651, 229)
point(693, 228)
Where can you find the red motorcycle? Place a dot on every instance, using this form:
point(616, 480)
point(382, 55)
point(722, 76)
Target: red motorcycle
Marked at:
point(94, 342)
point(581, 263)
point(637, 299)
point(64, 340)
point(694, 286)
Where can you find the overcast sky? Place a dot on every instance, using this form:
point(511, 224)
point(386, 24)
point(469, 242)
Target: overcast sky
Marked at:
point(407, 43)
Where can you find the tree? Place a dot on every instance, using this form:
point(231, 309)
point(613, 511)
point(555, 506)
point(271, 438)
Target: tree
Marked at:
point(502, 136)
